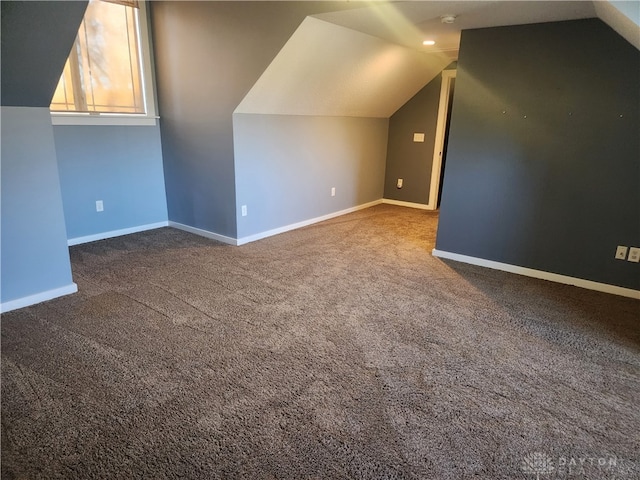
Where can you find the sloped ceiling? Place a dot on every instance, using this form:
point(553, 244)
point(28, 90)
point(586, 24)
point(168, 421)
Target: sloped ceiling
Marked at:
point(409, 23)
point(330, 70)
point(36, 41)
point(369, 61)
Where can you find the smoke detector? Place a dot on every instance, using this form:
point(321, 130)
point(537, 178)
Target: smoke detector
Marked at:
point(448, 18)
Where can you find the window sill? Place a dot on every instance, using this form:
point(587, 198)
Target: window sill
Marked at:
point(88, 119)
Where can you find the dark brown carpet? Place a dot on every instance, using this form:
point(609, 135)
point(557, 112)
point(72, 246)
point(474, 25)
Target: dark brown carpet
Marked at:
point(339, 351)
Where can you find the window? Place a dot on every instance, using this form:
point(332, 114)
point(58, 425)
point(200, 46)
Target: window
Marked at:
point(107, 76)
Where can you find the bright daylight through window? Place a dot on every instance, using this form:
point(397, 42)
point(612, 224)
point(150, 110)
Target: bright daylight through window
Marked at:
point(104, 73)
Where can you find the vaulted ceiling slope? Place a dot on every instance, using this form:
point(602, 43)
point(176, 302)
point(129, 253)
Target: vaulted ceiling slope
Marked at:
point(369, 61)
point(330, 70)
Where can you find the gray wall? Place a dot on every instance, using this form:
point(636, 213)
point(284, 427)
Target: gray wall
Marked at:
point(409, 160)
point(36, 40)
point(35, 258)
point(120, 165)
point(286, 166)
point(553, 183)
point(208, 56)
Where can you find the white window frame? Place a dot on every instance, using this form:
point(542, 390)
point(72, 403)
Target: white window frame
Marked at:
point(148, 87)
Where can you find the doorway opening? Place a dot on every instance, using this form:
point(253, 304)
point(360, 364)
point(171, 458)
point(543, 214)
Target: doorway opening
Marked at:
point(441, 138)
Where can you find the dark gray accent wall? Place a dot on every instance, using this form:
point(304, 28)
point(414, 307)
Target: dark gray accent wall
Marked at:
point(36, 40)
point(409, 160)
point(543, 168)
point(208, 55)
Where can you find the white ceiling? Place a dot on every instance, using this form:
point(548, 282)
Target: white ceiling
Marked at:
point(368, 60)
point(409, 23)
point(330, 70)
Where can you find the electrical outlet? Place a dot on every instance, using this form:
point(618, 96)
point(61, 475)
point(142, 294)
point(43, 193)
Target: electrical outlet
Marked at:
point(399, 183)
point(333, 191)
point(244, 210)
point(99, 206)
point(634, 255)
point(621, 252)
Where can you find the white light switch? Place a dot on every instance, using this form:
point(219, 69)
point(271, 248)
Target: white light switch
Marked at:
point(99, 206)
point(244, 210)
point(418, 137)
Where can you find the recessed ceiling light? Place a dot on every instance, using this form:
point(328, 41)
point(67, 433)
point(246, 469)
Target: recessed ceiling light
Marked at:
point(428, 42)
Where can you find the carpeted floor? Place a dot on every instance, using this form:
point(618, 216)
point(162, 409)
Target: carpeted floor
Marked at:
point(343, 350)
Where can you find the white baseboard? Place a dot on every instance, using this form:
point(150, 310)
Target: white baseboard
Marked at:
point(37, 298)
point(203, 233)
point(305, 223)
point(400, 203)
point(268, 233)
point(530, 272)
point(115, 233)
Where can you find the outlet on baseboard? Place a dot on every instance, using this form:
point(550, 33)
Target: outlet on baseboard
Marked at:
point(99, 206)
point(333, 191)
point(244, 210)
point(634, 255)
point(399, 183)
